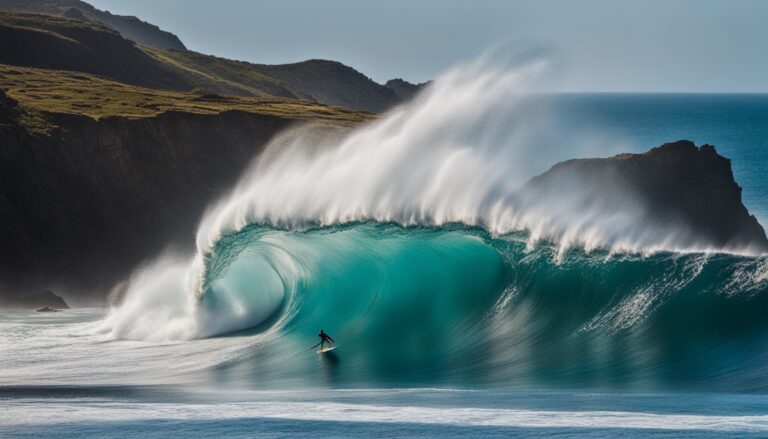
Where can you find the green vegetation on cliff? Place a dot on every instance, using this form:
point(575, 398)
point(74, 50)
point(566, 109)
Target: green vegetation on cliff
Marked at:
point(330, 82)
point(56, 91)
point(51, 42)
point(211, 74)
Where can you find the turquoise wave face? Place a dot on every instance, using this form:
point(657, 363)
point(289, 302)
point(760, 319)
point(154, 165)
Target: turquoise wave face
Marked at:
point(455, 306)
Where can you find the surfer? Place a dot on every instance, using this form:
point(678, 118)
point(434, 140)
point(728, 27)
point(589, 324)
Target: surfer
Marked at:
point(324, 338)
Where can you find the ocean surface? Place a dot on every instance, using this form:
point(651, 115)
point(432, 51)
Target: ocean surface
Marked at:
point(451, 321)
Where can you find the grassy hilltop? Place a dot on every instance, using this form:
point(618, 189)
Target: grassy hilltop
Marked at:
point(62, 43)
point(56, 91)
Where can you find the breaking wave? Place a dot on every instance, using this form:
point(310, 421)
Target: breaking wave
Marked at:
point(410, 241)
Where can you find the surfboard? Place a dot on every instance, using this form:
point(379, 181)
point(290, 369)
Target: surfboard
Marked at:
point(323, 350)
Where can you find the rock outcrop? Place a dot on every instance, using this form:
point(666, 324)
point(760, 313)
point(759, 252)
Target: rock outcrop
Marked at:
point(404, 89)
point(678, 188)
point(45, 300)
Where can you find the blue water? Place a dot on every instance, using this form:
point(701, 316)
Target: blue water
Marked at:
point(454, 306)
point(443, 332)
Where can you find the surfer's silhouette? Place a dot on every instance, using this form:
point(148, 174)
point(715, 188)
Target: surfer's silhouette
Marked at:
point(324, 338)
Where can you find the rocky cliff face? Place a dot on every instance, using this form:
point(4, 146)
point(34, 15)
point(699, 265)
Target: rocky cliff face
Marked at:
point(678, 188)
point(84, 205)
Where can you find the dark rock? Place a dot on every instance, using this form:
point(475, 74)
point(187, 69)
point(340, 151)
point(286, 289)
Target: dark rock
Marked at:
point(674, 187)
point(334, 83)
point(84, 206)
point(74, 14)
point(404, 89)
point(46, 299)
point(47, 309)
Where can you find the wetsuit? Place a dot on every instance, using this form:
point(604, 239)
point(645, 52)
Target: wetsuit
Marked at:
point(324, 338)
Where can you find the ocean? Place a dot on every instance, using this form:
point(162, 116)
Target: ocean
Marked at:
point(450, 320)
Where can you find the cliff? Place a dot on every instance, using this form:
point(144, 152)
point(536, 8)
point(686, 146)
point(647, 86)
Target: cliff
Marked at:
point(674, 187)
point(129, 27)
point(98, 176)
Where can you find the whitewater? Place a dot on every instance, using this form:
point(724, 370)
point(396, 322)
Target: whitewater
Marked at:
point(452, 290)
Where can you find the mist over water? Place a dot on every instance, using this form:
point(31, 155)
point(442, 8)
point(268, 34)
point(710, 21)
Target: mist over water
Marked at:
point(453, 156)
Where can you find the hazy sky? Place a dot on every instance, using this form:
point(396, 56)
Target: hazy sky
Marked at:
point(602, 45)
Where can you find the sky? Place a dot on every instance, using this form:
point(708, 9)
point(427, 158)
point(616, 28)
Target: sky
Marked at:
point(600, 45)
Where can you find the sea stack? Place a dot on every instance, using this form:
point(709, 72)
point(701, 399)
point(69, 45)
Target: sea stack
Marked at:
point(42, 302)
point(675, 186)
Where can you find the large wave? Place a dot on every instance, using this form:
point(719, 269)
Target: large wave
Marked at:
point(410, 240)
point(457, 305)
